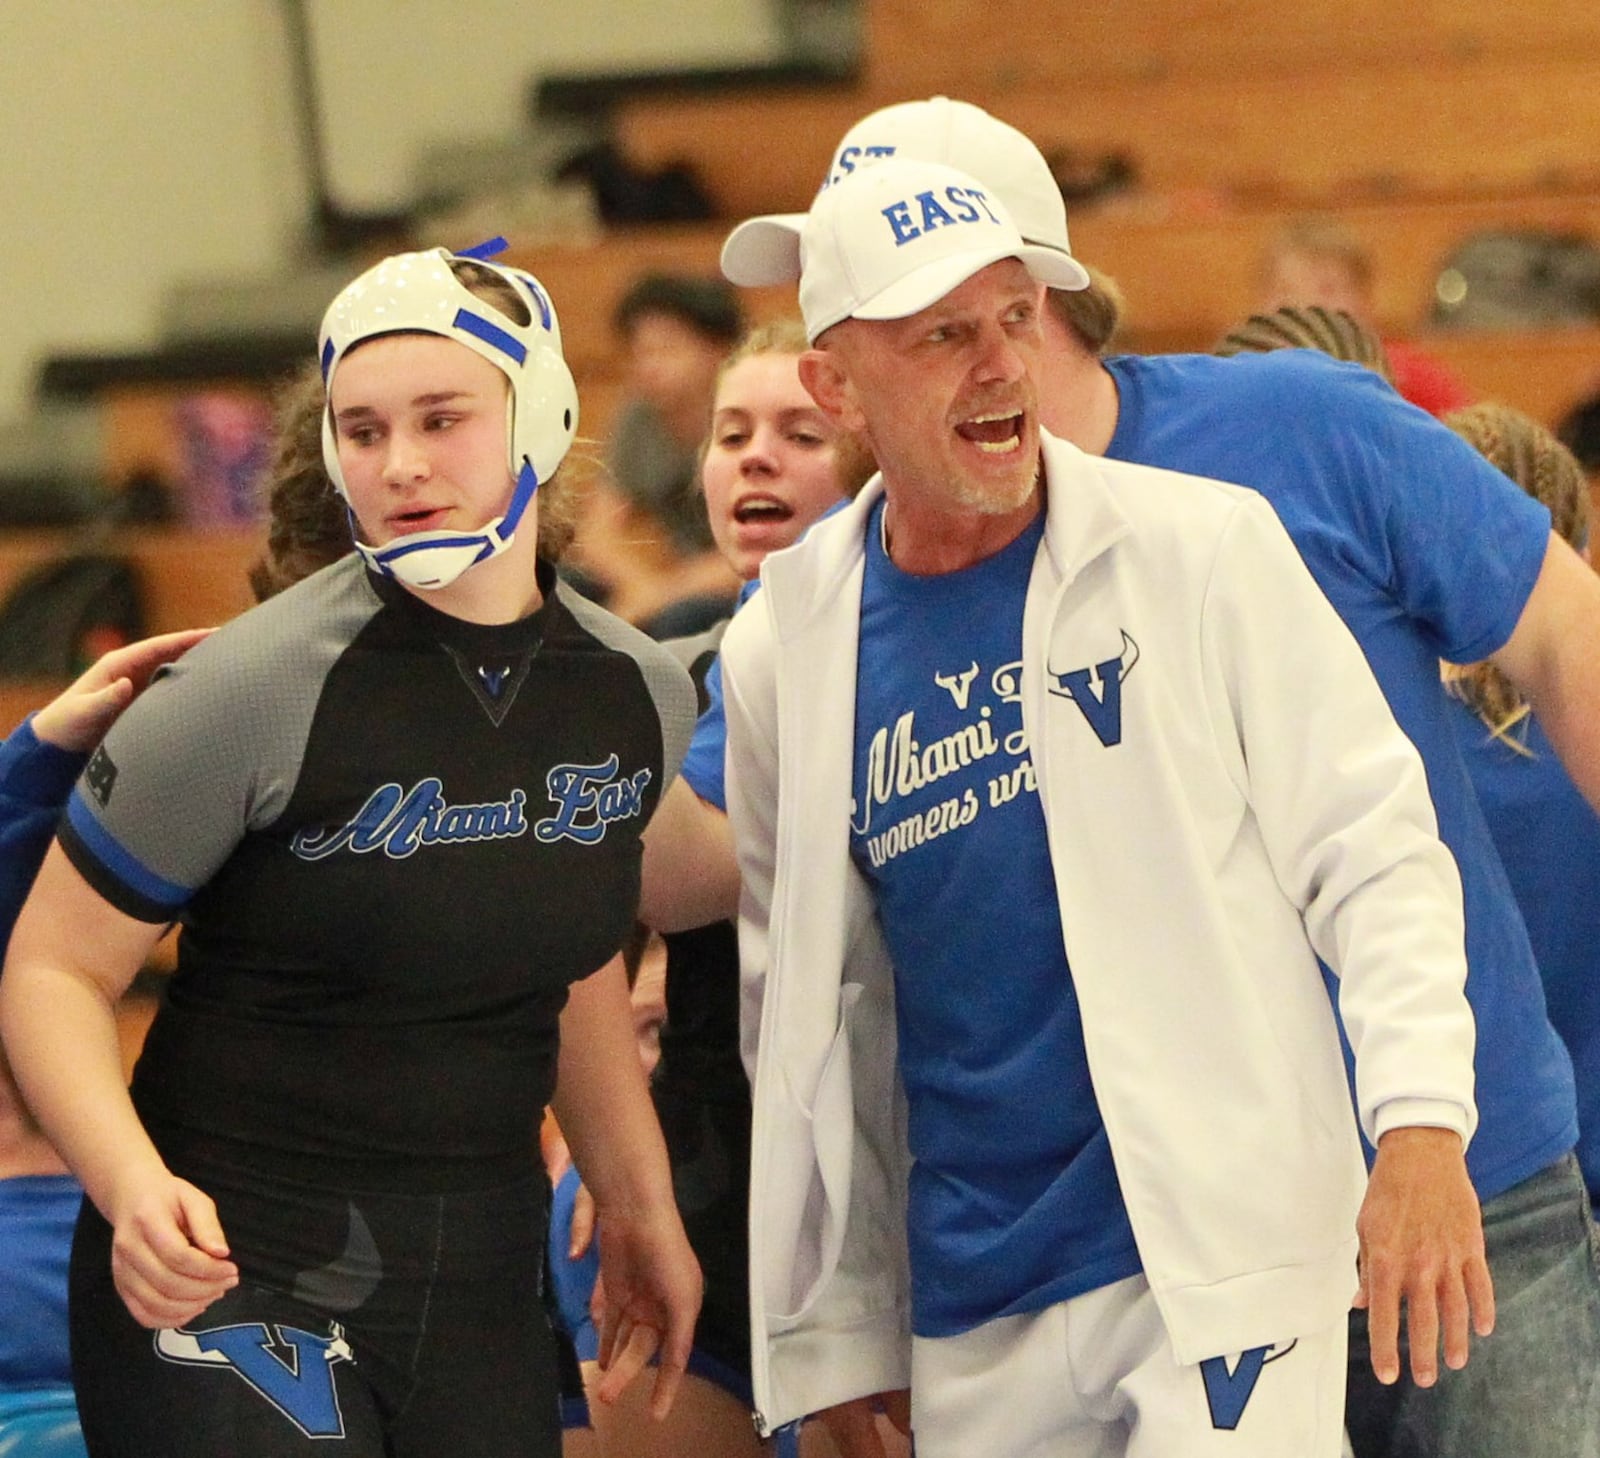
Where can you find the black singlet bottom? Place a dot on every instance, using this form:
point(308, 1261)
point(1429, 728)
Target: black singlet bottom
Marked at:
point(368, 1326)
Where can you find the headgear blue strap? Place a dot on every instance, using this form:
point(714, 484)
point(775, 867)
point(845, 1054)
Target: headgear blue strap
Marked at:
point(489, 248)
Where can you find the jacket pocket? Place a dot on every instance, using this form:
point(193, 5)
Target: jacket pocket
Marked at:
point(809, 1198)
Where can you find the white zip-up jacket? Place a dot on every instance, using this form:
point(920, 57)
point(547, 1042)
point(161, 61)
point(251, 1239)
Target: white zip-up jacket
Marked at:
point(1259, 805)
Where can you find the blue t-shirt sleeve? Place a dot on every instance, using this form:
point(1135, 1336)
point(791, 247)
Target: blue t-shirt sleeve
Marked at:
point(1465, 545)
point(35, 780)
point(703, 765)
point(573, 1280)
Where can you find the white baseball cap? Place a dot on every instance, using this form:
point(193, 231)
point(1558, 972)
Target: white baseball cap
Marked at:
point(956, 133)
point(962, 135)
point(891, 239)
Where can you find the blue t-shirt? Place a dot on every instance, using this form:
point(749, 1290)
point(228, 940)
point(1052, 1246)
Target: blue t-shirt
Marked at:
point(1426, 552)
point(1549, 839)
point(37, 1217)
point(1013, 1203)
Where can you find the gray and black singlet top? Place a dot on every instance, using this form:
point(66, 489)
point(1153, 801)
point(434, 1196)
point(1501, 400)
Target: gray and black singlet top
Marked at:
point(393, 839)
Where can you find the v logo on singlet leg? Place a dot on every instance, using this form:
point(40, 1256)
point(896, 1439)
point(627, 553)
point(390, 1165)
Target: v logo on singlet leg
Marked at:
point(294, 1373)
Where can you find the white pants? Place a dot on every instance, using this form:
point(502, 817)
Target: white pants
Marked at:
point(1095, 1377)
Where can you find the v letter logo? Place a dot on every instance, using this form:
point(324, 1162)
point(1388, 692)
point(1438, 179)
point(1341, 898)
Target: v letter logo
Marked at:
point(292, 1369)
point(1228, 1391)
point(1097, 691)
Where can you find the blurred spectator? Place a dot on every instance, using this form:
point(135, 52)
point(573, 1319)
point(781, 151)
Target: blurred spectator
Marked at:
point(1579, 432)
point(1318, 261)
point(675, 331)
point(644, 544)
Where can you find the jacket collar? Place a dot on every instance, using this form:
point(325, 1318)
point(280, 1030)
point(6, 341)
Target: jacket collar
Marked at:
point(813, 574)
point(1082, 515)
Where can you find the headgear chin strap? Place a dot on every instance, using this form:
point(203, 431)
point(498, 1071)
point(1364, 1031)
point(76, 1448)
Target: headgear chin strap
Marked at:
point(419, 293)
point(435, 559)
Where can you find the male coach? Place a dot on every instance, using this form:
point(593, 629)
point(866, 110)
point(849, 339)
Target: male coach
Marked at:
point(1043, 825)
point(1425, 552)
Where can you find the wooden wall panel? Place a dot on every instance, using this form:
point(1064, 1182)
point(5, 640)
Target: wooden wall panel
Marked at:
point(922, 46)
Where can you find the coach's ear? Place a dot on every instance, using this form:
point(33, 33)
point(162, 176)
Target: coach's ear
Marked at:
point(823, 373)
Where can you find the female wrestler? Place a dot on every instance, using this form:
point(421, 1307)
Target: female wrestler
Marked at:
point(397, 809)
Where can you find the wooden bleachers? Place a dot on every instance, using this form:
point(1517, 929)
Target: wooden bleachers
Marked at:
point(1543, 372)
point(190, 578)
point(1192, 270)
point(1187, 265)
point(1188, 270)
point(1189, 274)
point(1459, 128)
point(1415, 125)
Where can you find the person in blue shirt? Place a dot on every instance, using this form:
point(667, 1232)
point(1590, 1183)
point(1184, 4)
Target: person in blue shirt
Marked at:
point(38, 1199)
point(1425, 552)
point(1547, 833)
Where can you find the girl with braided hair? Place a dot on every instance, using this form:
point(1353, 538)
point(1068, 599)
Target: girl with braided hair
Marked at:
point(1308, 326)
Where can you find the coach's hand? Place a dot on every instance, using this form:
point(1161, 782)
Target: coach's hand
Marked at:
point(1421, 1232)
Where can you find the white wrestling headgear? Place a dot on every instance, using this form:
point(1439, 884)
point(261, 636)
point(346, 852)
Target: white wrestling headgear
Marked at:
point(419, 293)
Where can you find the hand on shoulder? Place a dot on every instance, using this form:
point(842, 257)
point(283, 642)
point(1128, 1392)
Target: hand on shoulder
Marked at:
point(77, 718)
